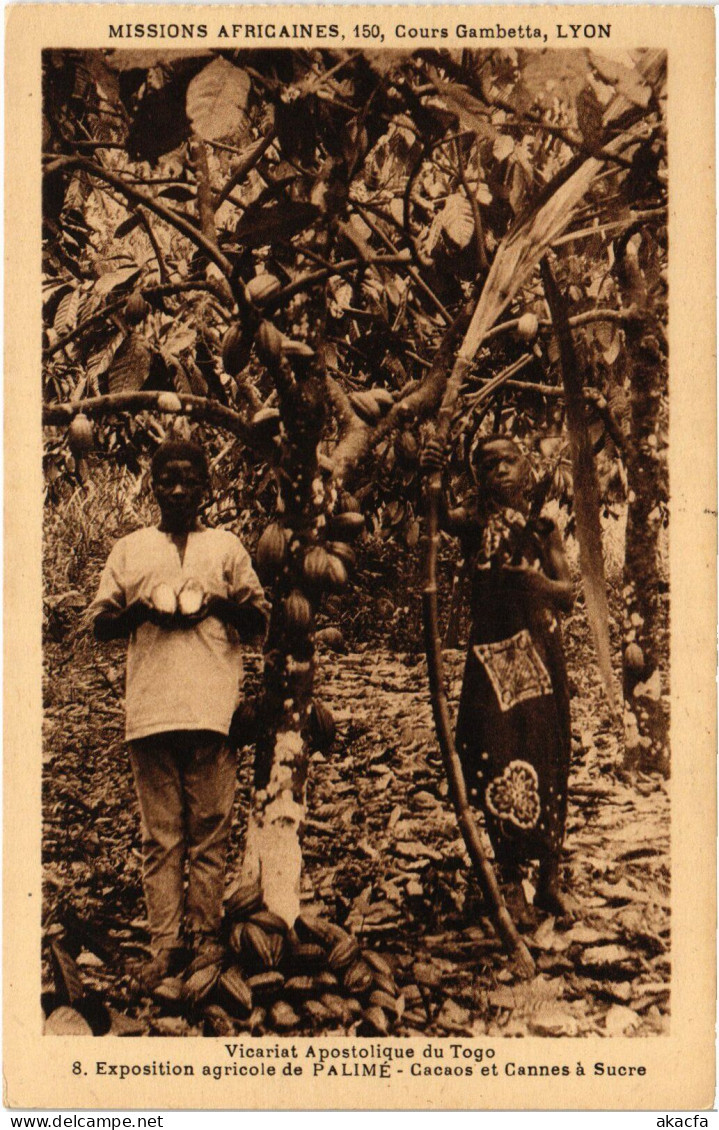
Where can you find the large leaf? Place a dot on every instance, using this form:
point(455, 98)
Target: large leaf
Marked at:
point(260, 225)
point(217, 100)
point(66, 316)
point(99, 362)
point(586, 491)
point(113, 279)
point(130, 366)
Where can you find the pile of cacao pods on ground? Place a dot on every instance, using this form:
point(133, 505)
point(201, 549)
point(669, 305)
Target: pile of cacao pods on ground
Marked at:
point(264, 976)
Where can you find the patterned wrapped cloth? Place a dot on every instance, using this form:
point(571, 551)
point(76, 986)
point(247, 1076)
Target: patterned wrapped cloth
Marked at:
point(513, 727)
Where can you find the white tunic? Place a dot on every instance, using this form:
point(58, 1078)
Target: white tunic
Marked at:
point(183, 679)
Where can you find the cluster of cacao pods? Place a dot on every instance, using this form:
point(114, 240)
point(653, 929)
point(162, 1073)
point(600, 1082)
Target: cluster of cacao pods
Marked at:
point(266, 976)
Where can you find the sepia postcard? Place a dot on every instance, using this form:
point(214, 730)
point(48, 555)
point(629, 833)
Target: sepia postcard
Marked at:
point(360, 523)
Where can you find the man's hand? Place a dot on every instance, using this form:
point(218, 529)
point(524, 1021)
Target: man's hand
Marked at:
point(432, 457)
point(119, 624)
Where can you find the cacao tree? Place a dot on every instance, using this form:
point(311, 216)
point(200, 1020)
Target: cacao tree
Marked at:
point(313, 254)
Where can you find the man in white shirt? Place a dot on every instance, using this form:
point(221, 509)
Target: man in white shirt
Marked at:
point(184, 678)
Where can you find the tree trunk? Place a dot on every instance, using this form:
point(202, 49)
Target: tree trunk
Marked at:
point(273, 850)
point(646, 720)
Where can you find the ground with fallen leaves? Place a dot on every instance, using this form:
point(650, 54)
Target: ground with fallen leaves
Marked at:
point(383, 856)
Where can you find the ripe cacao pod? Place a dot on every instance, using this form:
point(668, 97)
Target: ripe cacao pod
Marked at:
point(241, 899)
point(190, 597)
point(374, 1021)
point(358, 977)
point(236, 992)
point(528, 327)
point(315, 567)
point(378, 963)
point(169, 402)
point(321, 726)
point(218, 1022)
point(300, 987)
point(80, 435)
point(345, 553)
point(255, 947)
point(331, 638)
point(325, 979)
point(271, 551)
point(384, 984)
point(336, 572)
point(163, 599)
point(634, 657)
point(385, 1001)
point(366, 406)
point(266, 986)
point(199, 985)
point(335, 1006)
point(269, 343)
point(318, 930)
point(236, 349)
point(347, 526)
point(343, 953)
point(262, 286)
point(136, 309)
point(271, 923)
point(283, 1016)
point(298, 613)
point(211, 954)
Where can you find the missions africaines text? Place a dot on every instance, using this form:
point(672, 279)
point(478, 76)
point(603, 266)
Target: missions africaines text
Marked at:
point(272, 31)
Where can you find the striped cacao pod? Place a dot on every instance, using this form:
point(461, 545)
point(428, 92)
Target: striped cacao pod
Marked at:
point(236, 349)
point(271, 551)
point(298, 613)
point(336, 572)
point(266, 986)
point(315, 567)
point(236, 992)
point(358, 977)
point(343, 953)
point(242, 899)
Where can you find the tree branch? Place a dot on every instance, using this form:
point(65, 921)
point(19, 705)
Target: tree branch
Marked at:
point(205, 209)
point(199, 407)
point(161, 264)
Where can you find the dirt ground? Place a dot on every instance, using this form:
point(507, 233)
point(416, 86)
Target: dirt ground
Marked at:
point(383, 858)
